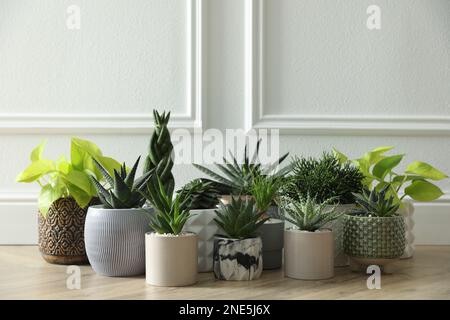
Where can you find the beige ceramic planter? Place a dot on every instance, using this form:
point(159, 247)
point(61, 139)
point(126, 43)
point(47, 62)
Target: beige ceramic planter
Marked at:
point(171, 261)
point(226, 199)
point(309, 255)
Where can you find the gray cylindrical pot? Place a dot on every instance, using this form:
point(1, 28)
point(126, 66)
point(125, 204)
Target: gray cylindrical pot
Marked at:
point(201, 222)
point(271, 233)
point(236, 259)
point(309, 255)
point(340, 257)
point(115, 240)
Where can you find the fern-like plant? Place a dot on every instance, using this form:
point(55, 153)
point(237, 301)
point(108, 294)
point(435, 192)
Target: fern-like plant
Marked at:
point(306, 214)
point(324, 178)
point(160, 151)
point(171, 213)
point(376, 203)
point(123, 191)
point(240, 219)
point(203, 194)
point(237, 178)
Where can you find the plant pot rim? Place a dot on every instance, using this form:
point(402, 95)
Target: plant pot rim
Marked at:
point(199, 210)
point(317, 232)
point(373, 217)
point(101, 207)
point(186, 234)
point(235, 239)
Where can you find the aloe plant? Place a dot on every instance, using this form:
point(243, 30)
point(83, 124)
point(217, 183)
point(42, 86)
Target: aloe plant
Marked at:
point(240, 219)
point(378, 204)
point(237, 178)
point(160, 150)
point(171, 213)
point(63, 178)
point(124, 191)
point(265, 190)
point(306, 213)
point(379, 170)
point(203, 194)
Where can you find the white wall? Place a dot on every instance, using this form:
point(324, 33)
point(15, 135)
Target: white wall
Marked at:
point(311, 68)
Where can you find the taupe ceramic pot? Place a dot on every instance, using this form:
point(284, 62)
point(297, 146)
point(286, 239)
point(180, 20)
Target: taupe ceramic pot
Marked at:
point(309, 255)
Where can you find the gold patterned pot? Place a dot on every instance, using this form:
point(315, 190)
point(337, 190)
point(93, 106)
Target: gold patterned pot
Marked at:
point(61, 233)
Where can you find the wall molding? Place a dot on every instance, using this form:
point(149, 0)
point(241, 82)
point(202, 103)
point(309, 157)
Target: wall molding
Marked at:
point(255, 118)
point(63, 123)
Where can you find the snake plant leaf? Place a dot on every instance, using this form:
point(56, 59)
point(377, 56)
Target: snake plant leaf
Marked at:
point(425, 170)
point(36, 154)
point(423, 191)
point(36, 170)
point(386, 165)
point(131, 175)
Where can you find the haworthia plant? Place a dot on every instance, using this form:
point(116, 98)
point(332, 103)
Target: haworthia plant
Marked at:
point(160, 151)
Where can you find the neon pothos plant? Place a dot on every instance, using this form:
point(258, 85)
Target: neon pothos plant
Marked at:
point(62, 178)
point(379, 172)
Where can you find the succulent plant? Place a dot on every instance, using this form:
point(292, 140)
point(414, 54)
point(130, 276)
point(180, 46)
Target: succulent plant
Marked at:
point(203, 194)
point(237, 178)
point(265, 190)
point(376, 203)
point(171, 213)
point(324, 178)
point(306, 214)
point(124, 191)
point(240, 219)
point(160, 150)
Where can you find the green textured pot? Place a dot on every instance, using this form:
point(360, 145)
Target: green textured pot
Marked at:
point(374, 237)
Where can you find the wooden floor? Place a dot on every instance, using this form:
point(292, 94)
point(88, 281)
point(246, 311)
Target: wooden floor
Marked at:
point(24, 275)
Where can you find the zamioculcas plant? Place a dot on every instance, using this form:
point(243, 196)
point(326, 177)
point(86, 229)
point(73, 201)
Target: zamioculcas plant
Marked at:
point(124, 191)
point(240, 219)
point(324, 178)
point(235, 177)
point(160, 150)
point(379, 171)
point(203, 194)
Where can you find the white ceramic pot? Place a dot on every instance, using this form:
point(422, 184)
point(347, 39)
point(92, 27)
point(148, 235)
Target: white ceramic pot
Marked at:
point(236, 259)
point(407, 211)
point(201, 222)
point(309, 255)
point(340, 258)
point(115, 240)
point(170, 261)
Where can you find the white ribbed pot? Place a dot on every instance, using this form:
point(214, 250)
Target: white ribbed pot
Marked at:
point(115, 240)
point(407, 211)
point(309, 255)
point(171, 260)
point(236, 259)
point(201, 222)
point(340, 258)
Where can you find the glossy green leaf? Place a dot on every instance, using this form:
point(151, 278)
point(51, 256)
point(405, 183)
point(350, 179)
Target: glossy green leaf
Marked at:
point(36, 154)
point(47, 196)
point(80, 151)
point(425, 170)
point(385, 165)
point(82, 181)
point(423, 191)
point(80, 196)
point(36, 170)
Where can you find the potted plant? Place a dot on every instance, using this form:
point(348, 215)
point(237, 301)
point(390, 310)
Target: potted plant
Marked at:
point(171, 253)
point(115, 230)
point(308, 245)
point(66, 192)
point(204, 198)
point(415, 183)
point(324, 178)
point(264, 190)
point(238, 252)
point(236, 178)
point(375, 232)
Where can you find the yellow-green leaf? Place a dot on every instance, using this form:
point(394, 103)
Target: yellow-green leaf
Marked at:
point(376, 154)
point(81, 197)
point(425, 170)
point(80, 149)
point(385, 165)
point(36, 154)
point(421, 190)
point(81, 180)
point(36, 170)
point(341, 157)
point(47, 196)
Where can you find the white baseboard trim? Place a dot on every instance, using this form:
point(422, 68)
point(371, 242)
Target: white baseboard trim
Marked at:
point(18, 219)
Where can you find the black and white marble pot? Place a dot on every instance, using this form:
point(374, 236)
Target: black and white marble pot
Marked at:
point(236, 259)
